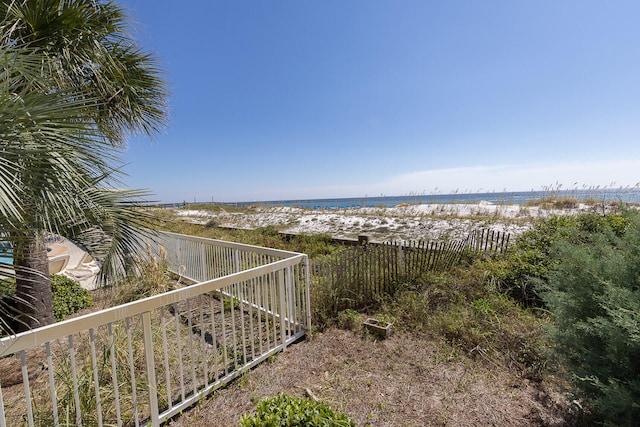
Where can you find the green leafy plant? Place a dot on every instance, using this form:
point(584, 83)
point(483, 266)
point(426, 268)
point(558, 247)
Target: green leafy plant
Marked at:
point(285, 410)
point(531, 258)
point(68, 297)
point(593, 291)
point(348, 319)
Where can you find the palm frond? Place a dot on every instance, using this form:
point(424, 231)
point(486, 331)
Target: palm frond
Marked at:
point(89, 47)
point(73, 86)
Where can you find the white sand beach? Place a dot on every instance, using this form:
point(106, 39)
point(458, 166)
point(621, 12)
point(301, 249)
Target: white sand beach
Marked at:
point(405, 222)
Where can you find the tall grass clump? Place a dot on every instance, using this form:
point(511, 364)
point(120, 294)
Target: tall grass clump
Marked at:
point(120, 356)
point(456, 308)
point(555, 202)
point(152, 278)
point(65, 395)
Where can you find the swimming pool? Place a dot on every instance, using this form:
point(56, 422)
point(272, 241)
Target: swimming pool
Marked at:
point(5, 253)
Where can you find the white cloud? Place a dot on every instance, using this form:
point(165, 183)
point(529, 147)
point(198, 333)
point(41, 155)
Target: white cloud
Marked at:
point(520, 177)
point(567, 175)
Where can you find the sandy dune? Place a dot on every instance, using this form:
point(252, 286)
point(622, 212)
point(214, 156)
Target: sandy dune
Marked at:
point(432, 221)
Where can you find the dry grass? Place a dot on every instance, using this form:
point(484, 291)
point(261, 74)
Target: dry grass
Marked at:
point(406, 380)
point(410, 379)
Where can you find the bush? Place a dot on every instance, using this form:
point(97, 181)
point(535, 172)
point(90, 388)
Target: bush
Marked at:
point(531, 258)
point(268, 231)
point(284, 410)
point(593, 290)
point(348, 319)
point(314, 245)
point(68, 297)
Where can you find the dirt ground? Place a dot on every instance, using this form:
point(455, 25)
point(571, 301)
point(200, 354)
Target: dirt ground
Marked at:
point(405, 380)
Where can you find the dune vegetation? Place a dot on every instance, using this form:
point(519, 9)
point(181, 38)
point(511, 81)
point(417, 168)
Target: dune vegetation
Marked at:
point(504, 339)
point(544, 333)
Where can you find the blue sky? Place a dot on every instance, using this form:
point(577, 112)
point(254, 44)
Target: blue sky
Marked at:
point(297, 99)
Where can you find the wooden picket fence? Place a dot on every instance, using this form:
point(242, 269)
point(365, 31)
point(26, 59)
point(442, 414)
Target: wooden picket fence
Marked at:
point(356, 276)
point(486, 240)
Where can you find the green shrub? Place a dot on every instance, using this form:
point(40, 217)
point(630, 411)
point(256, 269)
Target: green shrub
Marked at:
point(348, 319)
point(7, 287)
point(268, 231)
point(68, 297)
point(593, 291)
point(212, 223)
point(284, 410)
point(531, 258)
point(314, 245)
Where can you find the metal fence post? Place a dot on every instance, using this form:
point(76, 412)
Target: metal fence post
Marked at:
point(151, 369)
point(307, 291)
point(236, 260)
point(283, 308)
point(178, 256)
point(203, 258)
point(3, 422)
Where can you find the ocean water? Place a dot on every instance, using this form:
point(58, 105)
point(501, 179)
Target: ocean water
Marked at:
point(628, 195)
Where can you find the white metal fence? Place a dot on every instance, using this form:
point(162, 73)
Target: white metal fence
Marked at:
point(143, 362)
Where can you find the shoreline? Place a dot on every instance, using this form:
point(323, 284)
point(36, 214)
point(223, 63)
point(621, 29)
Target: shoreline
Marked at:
point(408, 222)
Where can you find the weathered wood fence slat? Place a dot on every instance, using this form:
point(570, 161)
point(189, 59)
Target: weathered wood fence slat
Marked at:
point(357, 275)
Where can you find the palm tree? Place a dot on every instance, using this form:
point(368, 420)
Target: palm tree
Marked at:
point(75, 87)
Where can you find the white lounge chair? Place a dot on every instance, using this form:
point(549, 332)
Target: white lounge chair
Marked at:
point(87, 267)
point(58, 263)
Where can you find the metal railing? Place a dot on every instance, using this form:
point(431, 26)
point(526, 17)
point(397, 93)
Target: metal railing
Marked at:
point(144, 362)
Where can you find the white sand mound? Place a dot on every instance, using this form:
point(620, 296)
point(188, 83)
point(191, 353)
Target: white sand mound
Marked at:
point(407, 222)
point(403, 222)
